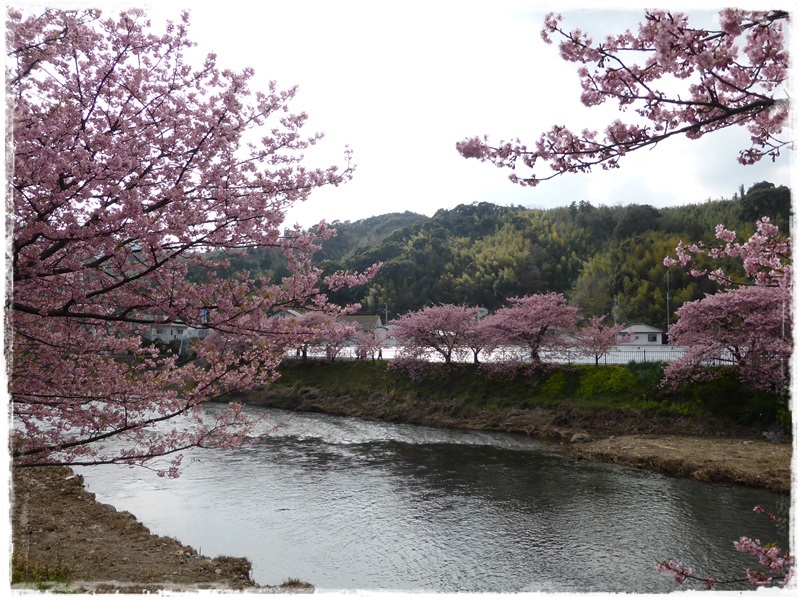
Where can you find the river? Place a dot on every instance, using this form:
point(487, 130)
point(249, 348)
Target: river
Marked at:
point(347, 504)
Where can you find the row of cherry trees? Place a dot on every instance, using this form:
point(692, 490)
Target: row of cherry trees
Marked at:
point(539, 324)
point(747, 325)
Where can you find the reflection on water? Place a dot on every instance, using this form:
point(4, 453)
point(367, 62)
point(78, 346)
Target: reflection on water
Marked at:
point(350, 504)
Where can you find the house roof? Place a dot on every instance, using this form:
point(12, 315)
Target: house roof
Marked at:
point(641, 328)
point(287, 312)
point(364, 322)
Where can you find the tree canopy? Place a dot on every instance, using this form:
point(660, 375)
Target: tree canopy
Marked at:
point(131, 167)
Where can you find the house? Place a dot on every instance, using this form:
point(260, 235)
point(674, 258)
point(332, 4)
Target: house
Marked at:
point(168, 332)
point(640, 334)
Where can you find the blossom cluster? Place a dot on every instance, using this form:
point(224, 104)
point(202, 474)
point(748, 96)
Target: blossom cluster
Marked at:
point(766, 256)
point(777, 561)
point(721, 90)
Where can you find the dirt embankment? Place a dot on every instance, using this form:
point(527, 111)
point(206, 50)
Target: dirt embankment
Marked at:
point(681, 446)
point(58, 525)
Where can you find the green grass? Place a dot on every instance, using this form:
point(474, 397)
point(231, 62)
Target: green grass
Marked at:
point(25, 570)
point(635, 386)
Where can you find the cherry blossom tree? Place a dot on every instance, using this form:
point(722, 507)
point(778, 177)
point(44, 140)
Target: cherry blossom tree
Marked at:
point(336, 336)
point(477, 338)
point(596, 340)
point(679, 79)
point(749, 323)
point(747, 328)
point(369, 342)
point(131, 166)
point(537, 323)
point(439, 331)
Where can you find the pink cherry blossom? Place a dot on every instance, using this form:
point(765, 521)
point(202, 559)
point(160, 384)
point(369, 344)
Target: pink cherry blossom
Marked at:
point(136, 176)
point(595, 339)
point(442, 331)
point(537, 323)
point(747, 327)
point(749, 324)
point(736, 75)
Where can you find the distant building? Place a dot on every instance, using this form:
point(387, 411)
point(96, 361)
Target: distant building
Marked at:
point(168, 332)
point(640, 334)
point(365, 323)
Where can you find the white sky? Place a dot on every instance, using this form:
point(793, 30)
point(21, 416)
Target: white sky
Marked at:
point(402, 82)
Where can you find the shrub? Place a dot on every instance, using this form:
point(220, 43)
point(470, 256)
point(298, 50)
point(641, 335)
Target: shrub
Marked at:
point(609, 379)
point(26, 570)
point(555, 384)
point(648, 374)
point(560, 383)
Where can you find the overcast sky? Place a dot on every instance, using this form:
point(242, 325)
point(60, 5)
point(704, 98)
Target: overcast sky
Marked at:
point(402, 82)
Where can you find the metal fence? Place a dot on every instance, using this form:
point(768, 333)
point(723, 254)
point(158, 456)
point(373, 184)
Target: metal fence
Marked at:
point(621, 355)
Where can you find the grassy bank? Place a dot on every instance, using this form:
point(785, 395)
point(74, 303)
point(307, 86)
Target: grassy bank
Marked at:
point(558, 402)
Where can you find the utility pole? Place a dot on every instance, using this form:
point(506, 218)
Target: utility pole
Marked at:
point(667, 303)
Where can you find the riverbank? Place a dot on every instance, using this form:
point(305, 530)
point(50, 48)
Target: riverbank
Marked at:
point(61, 531)
point(66, 541)
point(697, 447)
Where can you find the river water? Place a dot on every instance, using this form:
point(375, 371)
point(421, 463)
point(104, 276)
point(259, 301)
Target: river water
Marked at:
point(347, 504)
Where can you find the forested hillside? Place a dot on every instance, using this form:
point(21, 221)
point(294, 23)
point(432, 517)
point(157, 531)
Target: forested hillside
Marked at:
point(482, 254)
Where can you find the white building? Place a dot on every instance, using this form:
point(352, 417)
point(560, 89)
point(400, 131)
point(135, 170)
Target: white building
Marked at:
point(640, 334)
point(168, 332)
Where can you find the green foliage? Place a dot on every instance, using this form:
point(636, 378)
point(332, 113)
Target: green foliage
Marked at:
point(561, 383)
point(665, 405)
point(482, 254)
point(648, 374)
point(784, 418)
point(764, 199)
point(555, 386)
point(352, 236)
point(605, 381)
point(724, 395)
point(26, 570)
point(465, 387)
